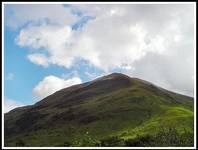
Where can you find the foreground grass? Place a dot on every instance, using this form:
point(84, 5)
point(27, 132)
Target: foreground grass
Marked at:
point(166, 137)
point(172, 128)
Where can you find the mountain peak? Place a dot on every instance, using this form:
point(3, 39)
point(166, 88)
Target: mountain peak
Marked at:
point(115, 75)
point(101, 107)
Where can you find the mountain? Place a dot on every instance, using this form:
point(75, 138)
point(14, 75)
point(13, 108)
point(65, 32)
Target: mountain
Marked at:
point(113, 110)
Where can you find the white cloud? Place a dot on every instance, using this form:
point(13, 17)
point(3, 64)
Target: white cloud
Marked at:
point(126, 39)
point(123, 37)
point(51, 84)
point(63, 46)
point(53, 40)
point(39, 59)
point(90, 74)
point(19, 15)
point(171, 72)
point(10, 104)
point(9, 76)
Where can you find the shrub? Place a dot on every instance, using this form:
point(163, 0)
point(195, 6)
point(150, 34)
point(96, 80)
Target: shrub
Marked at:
point(20, 143)
point(139, 141)
point(87, 140)
point(163, 138)
point(67, 144)
point(171, 137)
point(187, 139)
point(112, 141)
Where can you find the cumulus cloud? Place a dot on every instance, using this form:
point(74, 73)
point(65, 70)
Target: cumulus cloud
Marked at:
point(171, 72)
point(39, 59)
point(154, 42)
point(51, 84)
point(10, 104)
point(50, 39)
point(124, 42)
point(133, 31)
point(19, 15)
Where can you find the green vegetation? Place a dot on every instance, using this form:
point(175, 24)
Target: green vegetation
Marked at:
point(20, 143)
point(111, 111)
point(164, 137)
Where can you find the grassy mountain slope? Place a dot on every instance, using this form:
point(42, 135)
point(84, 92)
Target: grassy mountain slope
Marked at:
point(111, 106)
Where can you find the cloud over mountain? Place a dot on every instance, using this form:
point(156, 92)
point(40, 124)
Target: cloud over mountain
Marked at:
point(154, 42)
point(51, 84)
point(10, 104)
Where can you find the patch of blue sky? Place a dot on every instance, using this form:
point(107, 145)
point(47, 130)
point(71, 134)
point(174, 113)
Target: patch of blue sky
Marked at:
point(75, 11)
point(26, 74)
point(15, 62)
point(83, 67)
point(84, 20)
point(37, 23)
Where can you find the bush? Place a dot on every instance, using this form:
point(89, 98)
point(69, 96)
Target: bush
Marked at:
point(20, 143)
point(112, 141)
point(163, 138)
point(187, 139)
point(87, 140)
point(171, 137)
point(67, 144)
point(167, 137)
point(139, 141)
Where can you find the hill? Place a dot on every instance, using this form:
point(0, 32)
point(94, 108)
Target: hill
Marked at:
point(114, 110)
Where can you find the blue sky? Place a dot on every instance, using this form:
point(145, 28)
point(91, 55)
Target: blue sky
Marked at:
point(49, 47)
point(26, 74)
point(21, 76)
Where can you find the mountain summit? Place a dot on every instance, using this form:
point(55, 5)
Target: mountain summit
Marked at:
point(115, 105)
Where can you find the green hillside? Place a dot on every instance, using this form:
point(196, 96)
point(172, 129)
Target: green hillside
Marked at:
point(113, 110)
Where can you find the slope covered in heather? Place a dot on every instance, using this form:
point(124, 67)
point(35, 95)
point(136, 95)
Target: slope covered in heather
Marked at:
point(114, 110)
